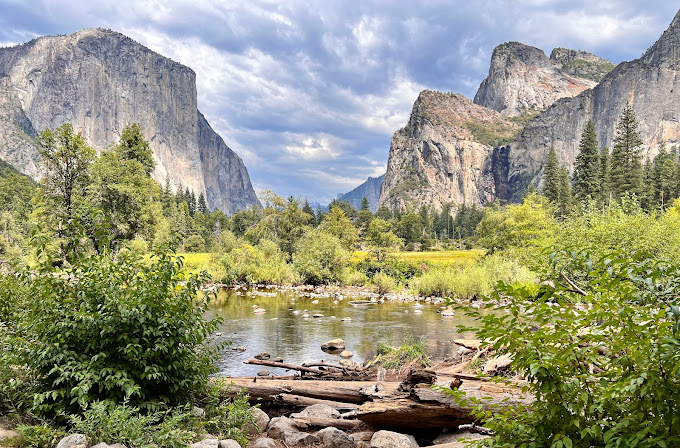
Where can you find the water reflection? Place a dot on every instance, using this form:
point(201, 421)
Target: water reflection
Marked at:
point(283, 333)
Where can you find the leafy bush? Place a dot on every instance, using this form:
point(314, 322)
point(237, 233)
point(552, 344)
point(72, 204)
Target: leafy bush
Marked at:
point(112, 423)
point(473, 280)
point(230, 418)
point(604, 374)
point(352, 277)
point(39, 436)
point(115, 330)
point(264, 263)
point(397, 268)
point(320, 257)
point(383, 283)
point(194, 244)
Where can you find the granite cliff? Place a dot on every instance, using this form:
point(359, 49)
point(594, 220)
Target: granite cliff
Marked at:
point(100, 81)
point(651, 84)
point(445, 153)
point(456, 151)
point(523, 80)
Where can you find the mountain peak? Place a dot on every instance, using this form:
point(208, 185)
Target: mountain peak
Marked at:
point(666, 50)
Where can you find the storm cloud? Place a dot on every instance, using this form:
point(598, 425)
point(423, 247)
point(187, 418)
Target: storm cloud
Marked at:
point(309, 93)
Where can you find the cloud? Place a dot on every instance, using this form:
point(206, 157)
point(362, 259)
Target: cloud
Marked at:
point(308, 92)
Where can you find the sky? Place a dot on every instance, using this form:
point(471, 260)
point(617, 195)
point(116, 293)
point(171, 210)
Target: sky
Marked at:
point(309, 92)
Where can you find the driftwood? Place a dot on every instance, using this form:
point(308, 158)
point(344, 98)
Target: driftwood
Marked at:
point(411, 404)
point(283, 365)
point(305, 423)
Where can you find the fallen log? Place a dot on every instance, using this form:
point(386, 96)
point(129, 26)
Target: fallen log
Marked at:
point(344, 391)
point(339, 423)
point(408, 413)
point(303, 402)
point(286, 366)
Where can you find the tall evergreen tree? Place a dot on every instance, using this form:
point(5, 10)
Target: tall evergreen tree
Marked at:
point(364, 203)
point(565, 201)
point(308, 209)
point(647, 199)
point(626, 161)
point(551, 177)
point(191, 201)
point(202, 205)
point(665, 181)
point(587, 166)
point(605, 175)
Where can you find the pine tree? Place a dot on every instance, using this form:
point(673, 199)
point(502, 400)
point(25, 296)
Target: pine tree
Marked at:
point(565, 201)
point(605, 176)
point(587, 166)
point(364, 203)
point(202, 205)
point(308, 209)
point(626, 161)
point(551, 177)
point(664, 178)
point(191, 202)
point(647, 199)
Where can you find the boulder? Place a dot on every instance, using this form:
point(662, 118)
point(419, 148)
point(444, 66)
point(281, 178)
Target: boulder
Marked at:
point(457, 437)
point(297, 438)
point(261, 421)
point(206, 443)
point(264, 443)
point(346, 354)
point(229, 443)
point(6, 434)
point(73, 441)
point(390, 439)
point(335, 438)
point(362, 436)
point(263, 372)
point(263, 356)
point(278, 425)
point(333, 345)
point(319, 411)
point(104, 445)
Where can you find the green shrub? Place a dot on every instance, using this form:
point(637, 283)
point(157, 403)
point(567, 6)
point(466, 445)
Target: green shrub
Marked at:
point(115, 330)
point(264, 263)
point(112, 423)
point(352, 277)
point(139, 246)
point(38, 436)
point(399, 269)
point(230, 418)
point(383, 283)
point(194, 244)
point(604, 374)
point(320, 257)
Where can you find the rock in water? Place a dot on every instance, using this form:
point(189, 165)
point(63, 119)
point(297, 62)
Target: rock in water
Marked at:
point(346, 354)
point(333, 345)
point(263, 356)
point(101, 81)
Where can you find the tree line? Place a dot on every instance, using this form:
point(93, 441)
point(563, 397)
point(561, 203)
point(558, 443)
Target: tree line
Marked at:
point(605, 177)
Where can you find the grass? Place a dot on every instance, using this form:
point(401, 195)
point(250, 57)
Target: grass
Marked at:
point(411, 352)
point(442, 258)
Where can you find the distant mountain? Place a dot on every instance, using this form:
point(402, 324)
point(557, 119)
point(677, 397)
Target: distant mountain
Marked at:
point(369, 189)
point(100, 81)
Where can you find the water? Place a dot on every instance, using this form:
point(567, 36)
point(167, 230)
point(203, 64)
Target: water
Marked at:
point(298, 340)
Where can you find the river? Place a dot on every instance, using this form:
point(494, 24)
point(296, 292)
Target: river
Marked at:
point(282, 330)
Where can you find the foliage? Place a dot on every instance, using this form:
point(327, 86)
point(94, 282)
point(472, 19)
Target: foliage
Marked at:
point(412, 351)
point(352, 277)
point(587, 180)
point(16, 191)
point(529, 226)
point(320, 257)
point(551, 177)
point(472, 280)
point(194, 243)
point(381, 239)
point(264, 263)
point(626, 158)
point(230, 418)
point(603, 374)
point(116, 329)
point(43, 435)
point(120, 423)
point(339, 225)
point(383, 283)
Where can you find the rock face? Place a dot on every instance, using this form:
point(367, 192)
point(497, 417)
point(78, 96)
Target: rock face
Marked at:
point(523, 80)
point(369, 189)
point(101, 81)
point(445, 153)
point(651, 84)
